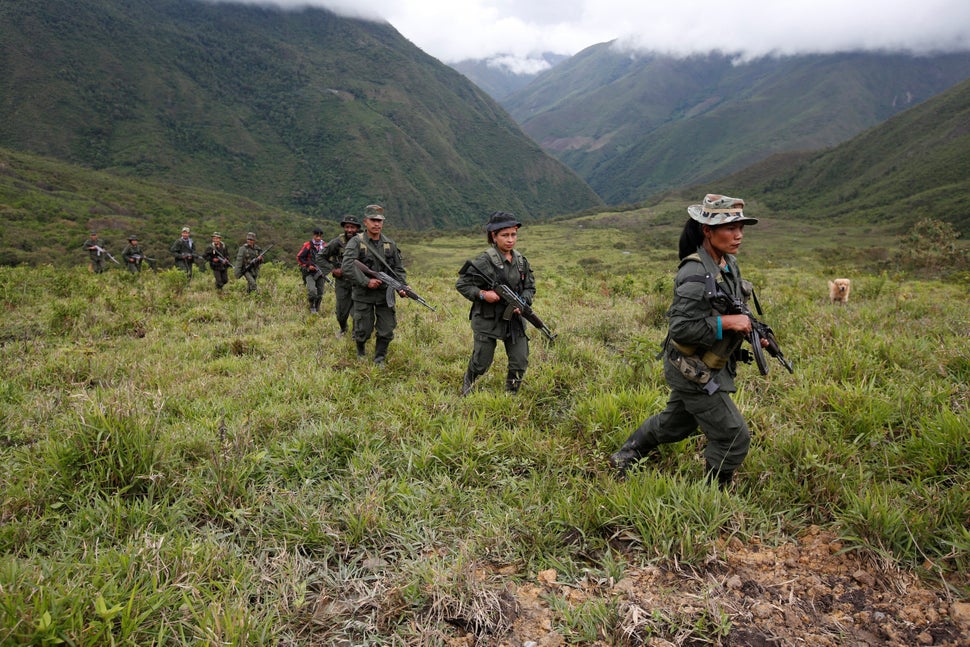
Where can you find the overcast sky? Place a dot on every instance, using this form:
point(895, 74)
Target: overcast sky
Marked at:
point(452, 30)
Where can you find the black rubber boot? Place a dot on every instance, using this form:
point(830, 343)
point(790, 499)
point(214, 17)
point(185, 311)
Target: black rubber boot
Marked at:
point(720, 476)
point(513, 380)
point(629, 455)
point(361, 349)
point(380, 351)
point(636, 448)
point(467, 383)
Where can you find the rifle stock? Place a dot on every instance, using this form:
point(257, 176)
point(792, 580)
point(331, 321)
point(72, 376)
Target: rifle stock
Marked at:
point(392, 283)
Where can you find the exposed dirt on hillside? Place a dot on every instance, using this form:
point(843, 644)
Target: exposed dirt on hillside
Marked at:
point(809, 592)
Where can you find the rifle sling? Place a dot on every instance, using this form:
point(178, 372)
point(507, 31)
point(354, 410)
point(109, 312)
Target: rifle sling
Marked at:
point(379, 257)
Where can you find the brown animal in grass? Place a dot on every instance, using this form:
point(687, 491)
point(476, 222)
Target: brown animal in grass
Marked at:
point(839, 290)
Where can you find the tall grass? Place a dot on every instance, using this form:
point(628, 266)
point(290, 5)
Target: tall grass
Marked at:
point(181, 466)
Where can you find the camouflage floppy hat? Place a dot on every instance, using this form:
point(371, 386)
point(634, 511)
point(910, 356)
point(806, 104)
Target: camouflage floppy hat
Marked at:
point(216, 234)
point(374, 212)
point(349, 220)
point(719, 210)
point(186, 230)
point(501, 220)
point(250, 236)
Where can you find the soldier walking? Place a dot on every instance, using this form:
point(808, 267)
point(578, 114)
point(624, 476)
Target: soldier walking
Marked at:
point(343, 286)
point(248, 259)
point(96, 253)
point(373, 301)
point(314, 266)
point(133, 255)
point(217, 256)
point(183, 251)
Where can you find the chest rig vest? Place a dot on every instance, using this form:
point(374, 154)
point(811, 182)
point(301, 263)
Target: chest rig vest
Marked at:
point(720, 293)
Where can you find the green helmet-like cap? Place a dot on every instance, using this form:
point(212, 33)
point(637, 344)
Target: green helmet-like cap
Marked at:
point(501, 220)
point(374, 212)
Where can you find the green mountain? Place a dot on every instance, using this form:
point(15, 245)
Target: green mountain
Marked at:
point(303, 109)
point(633, 125)
point(915, 165)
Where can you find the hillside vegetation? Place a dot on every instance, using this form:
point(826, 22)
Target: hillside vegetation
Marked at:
point(915, 165)
point(48, 207)
point(634, 124)
point(303, 110)
point(183, 467)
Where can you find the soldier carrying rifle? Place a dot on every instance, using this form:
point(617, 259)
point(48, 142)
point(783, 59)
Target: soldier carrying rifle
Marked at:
point(482, 281)
point(183, 251)
point(133, 255)
point(707, 324)
point(97, 253)
point(218, 257)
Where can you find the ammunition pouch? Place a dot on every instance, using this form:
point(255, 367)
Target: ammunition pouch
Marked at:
point(690, 366)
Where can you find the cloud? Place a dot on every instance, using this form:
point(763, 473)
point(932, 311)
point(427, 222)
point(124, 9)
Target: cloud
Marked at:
point(454, 30)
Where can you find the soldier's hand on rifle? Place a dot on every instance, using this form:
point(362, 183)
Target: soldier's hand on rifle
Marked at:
point(489, 296)
point(374, 283)
point(739, 323)
point(403, 292)
point(337, 272)
point(312, 269)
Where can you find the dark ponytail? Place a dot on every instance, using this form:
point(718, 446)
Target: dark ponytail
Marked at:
point(691, 238)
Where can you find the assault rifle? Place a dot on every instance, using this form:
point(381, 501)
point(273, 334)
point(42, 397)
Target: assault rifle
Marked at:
point(222, 258)
point(393, 283)
point(138, 258)
point(760, 330)
point(102, 250)
point(326, 277)
point(515, 302)
point(256, 261)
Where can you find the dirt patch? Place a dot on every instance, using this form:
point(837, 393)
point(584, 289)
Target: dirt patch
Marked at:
point(808, 592)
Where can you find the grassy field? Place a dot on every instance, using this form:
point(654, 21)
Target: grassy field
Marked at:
point(185, 467)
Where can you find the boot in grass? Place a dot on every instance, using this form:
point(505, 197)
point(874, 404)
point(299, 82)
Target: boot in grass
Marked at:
point(467, 383)
point(380, 351)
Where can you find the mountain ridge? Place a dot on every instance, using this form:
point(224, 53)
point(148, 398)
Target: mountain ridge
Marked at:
point(298, 108)
point(636, 124)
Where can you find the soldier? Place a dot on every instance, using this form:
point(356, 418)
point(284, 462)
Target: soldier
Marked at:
point(373, 301)
point(218, 257)
point(183, 250)
point(96, 253)
point(314, 266)
point(343, 287)
point(490, 317)
point(248, 260)
point(700, 352)
point(133, 255)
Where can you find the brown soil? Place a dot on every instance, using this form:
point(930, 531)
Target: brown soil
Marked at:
point(809, 592)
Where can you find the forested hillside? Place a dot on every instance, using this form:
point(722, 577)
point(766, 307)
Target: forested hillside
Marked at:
point(915, 165)
point(635, 124)
point(303, 109)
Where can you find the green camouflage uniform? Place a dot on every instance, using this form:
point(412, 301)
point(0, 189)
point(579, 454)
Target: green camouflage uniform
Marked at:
point(133, 257)
point(217, 254)
point(95, 255)
point(343, 286)
point(183, 251)
point(694, 325)
point(244, 256)
point(488, 321)
point(373, 308)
